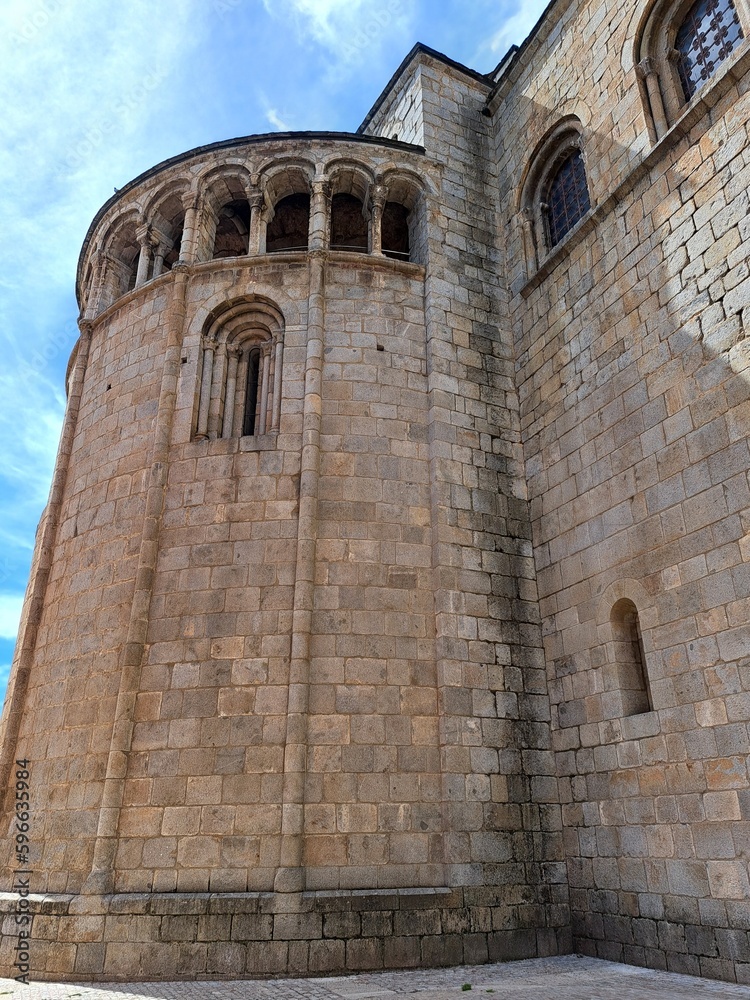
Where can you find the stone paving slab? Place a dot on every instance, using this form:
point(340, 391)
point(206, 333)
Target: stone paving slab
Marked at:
point(569, 978)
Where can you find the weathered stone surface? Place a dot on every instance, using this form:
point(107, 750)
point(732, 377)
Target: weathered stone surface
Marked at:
point(392, 610)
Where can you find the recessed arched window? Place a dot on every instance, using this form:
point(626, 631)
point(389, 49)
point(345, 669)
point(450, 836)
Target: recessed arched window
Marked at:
point(708, 35)
point(395, 238)
point(555, 196)
point(240, 383)
point(232, 228)
point(630, 658)
point(289, 228)
point(567, 198)
point(348, 223)
point(679, 48)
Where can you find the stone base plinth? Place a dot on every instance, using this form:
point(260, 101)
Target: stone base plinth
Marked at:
point(170, 936)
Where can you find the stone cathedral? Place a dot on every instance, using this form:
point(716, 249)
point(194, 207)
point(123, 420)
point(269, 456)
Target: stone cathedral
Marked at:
point(391, 606)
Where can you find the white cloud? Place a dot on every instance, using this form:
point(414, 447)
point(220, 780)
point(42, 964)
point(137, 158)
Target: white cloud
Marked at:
point(348, 28)
point(277, 122)
point(517, 27)
point(10, 615)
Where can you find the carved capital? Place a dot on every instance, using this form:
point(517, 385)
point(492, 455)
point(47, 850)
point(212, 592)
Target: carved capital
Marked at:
point(181, 267)
point(234, 351)
point(321, 189)
point(146, 238)
point(378, 196)
point(255, 199)
point(208, 344)
point(645, 68)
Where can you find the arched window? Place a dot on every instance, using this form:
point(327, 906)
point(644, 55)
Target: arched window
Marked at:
point(290, 226)
point(240, 386)
point(400, 225)
point(120, 262)
point(708, 35)
point(285, 219)
point(167, 225)
point(567, 198)
point(350, 207)
point(555, 193)
point(679, 48)
point(349, 230)
point(630, 658)
point(232, 229)
point(395, 231)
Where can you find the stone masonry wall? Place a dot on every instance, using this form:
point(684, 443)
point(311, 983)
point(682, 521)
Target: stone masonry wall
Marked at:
point(72, 691)
point(632, 367)
point(504, 815)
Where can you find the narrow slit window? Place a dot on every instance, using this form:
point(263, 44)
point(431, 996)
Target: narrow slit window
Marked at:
point(251, 393)
point(630, 658)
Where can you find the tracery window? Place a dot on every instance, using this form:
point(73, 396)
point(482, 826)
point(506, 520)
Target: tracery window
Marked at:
point(708, 35)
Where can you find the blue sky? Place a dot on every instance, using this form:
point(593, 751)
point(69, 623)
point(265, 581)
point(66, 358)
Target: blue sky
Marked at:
point(93, 93)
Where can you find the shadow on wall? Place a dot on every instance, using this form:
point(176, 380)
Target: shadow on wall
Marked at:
point(634, 385)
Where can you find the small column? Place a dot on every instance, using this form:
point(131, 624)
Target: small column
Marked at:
point(254, 241)
point(144, 260)
point(159, 254)
point(94, 295)
point(529, 242)
point(277, 367)
point(189, 232)
point(377, 200)
point(233, 354)
point(209, 346)
point(318, 234)
point(266, 364)
point(647, 72)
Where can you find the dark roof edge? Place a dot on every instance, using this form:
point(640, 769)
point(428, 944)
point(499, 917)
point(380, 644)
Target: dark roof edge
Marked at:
point(505, 67)
point(228, 144)
point(421, 49)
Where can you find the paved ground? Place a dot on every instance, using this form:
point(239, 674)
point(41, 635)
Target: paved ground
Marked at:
point(569, 978)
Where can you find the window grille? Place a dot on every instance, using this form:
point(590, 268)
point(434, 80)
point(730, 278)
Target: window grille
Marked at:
point(567, 198)
point(705, 39)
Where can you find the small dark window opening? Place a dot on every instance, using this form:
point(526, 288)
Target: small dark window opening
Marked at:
point(395, 232)
point(630, 658)
point(232, 229)
point(289, 228)
point(567, 197)
point(707, 36)
point(132, 270)
point(251, 393)
point(173, 253)
point(348, 224)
